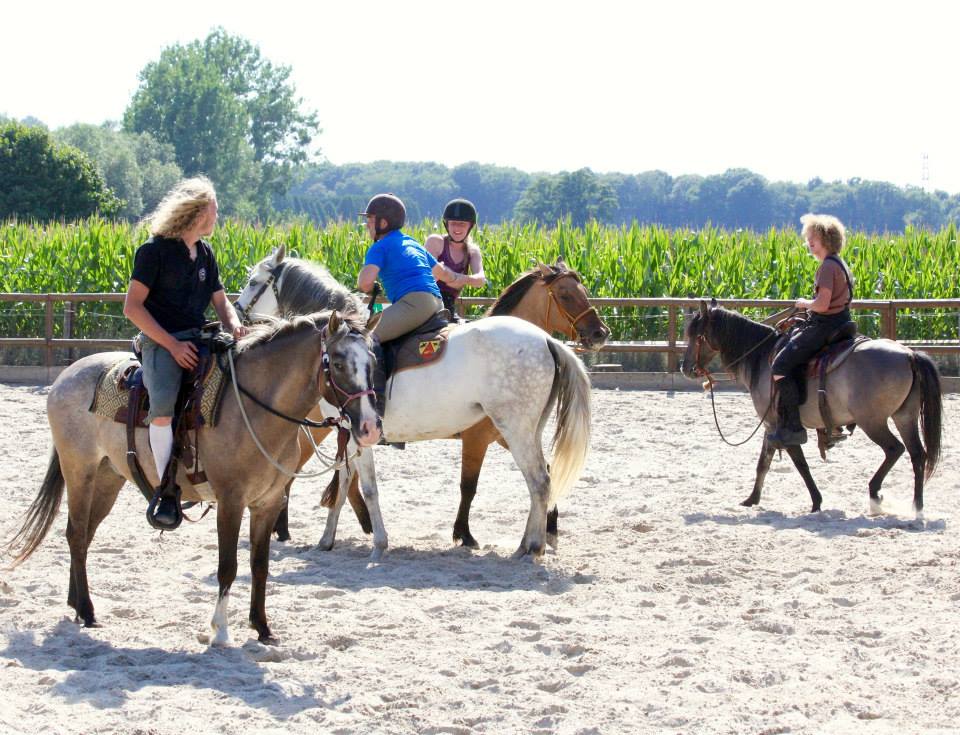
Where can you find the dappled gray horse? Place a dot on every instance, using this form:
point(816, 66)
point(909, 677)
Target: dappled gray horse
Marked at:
point(881, 379)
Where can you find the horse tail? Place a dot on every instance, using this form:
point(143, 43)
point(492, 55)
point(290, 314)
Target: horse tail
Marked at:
point(41, 513)
point(931, 408)
point(571, 440)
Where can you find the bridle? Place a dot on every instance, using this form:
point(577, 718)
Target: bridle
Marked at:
point(701, 370)
point(324, 377)
point(571, 320)
point(272, 281)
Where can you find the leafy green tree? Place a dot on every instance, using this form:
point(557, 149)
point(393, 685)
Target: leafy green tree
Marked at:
point(45, 180)
point(229, 113)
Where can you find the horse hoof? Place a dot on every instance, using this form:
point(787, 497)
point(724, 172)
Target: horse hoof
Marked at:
point(875, 507)
point(468, 541)
point(324, 546)
point(376, 554)
point(749, 502)
point(552, 540)
point(283, 537)
point(268, 639)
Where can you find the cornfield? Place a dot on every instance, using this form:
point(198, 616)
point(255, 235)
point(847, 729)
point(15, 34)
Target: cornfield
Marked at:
point(97, 256)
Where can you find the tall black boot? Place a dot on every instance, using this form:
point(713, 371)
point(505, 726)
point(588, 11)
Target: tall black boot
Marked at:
point(379, 376)
point(789, 431)
point(164, 512)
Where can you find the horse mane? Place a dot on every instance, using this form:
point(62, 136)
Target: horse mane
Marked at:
point(514, 293)
point(308, 286)
point(737, 335)
point(268, 330)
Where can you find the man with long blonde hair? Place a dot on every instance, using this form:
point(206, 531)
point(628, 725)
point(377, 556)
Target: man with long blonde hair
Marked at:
point(175, 277)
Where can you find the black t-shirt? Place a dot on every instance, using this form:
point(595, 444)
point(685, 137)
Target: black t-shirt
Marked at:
point(180, 288)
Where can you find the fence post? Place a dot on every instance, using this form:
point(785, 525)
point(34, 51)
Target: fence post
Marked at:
point(672, 338)
point(68, 316)
point(888, 320)
point(48, 331)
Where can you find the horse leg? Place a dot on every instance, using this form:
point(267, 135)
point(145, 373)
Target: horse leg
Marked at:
point(229, 516)
point(910, 434)
point(88, 506)
point(306, 452)
point(553, 531)
point(262, 520)
point(763, 466)
point(476, 439)
point(365, 467)
point(280, 527)
point(880, 434)
point(333, 513)
point(800, 462)
point(528, 454)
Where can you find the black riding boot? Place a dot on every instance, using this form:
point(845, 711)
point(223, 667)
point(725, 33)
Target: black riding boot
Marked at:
point(164, 511)
point(789, 432)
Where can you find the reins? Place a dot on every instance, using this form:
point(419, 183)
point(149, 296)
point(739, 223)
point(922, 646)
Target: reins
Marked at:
point(702, 370)
point(337, 462)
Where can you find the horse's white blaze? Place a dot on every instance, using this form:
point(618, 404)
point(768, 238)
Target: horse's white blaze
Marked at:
point(221, 633)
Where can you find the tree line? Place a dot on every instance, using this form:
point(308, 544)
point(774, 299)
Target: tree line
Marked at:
point(217, 107)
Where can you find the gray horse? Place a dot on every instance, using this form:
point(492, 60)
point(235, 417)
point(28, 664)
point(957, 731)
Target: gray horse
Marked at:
point(881, 379)
point(288, 366)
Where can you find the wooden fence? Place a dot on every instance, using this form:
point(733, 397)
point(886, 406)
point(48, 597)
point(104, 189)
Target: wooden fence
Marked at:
point(672, 346)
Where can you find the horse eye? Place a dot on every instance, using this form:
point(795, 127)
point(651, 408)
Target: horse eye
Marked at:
point(338, 365)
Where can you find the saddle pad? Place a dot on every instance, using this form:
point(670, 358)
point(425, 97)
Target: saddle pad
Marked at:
point(425, 348)
point(834, 356)
point(110, 400)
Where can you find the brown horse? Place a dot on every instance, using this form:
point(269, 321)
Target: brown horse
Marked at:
point(243, 455)
point(879, 380)
point(552, 297)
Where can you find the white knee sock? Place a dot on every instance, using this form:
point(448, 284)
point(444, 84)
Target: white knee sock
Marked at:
point(161, 443)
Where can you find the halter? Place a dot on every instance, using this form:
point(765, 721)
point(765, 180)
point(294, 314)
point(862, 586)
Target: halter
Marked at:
point(571, 320)
point(327, 375)
point(701, 370)
point(271, 281)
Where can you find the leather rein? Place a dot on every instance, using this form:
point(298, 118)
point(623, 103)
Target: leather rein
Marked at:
point(702, 371)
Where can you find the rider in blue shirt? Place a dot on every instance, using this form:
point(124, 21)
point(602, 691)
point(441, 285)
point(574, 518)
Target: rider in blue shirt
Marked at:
point(409, 273)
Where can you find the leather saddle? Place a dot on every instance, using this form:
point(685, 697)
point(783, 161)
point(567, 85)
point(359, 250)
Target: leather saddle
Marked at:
point(840, 345)
point(425, 345)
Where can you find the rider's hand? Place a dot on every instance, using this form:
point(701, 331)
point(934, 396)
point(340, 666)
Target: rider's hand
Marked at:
point(185, 353)
point(240, 331)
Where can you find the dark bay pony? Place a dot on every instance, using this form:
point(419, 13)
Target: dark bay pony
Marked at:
point(322, 356)
point(881, 379)
point(552, 297)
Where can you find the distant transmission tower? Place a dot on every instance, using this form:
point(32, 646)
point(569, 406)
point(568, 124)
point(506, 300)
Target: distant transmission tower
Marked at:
point(925, 172)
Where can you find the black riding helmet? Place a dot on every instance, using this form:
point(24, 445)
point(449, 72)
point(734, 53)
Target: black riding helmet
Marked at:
point(461, 210)
point(389, 208)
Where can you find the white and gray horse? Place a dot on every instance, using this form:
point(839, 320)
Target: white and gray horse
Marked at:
point(501, 368)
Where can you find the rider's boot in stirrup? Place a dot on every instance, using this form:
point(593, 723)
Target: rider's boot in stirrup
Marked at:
point(164, 512)
point(789, 431)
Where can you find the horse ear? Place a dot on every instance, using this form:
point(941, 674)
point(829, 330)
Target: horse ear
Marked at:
point(713, 303)
point(545, 270)
point(373, 321)
point(703, 309)
point(279, 254)
point(561, 264)
point(333, 326)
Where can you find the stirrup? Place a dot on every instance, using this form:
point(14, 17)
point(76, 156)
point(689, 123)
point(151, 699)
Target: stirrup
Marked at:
point(162, 497)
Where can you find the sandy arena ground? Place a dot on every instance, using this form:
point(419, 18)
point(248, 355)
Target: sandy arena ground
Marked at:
point(668, 607)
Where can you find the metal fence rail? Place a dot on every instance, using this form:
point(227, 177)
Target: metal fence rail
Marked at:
point(672, 346)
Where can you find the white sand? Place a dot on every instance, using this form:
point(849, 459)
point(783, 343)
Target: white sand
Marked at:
point(668, 607)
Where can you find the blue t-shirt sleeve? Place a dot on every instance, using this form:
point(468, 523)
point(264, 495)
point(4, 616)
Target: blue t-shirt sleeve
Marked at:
point(430, 259)
point(146, 265)
point(376, 255)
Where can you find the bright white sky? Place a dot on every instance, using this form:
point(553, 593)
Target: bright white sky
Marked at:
point(789, 89)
